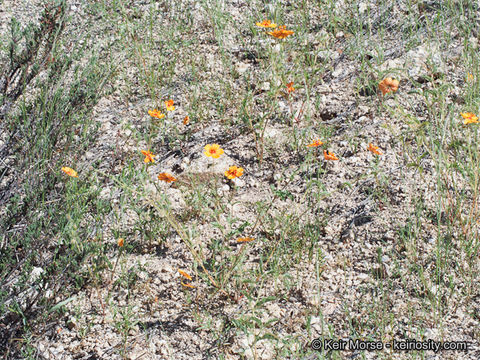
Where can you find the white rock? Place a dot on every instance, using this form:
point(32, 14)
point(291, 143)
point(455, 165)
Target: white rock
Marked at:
point(242, 68)
point(225, 188)
point(36, 272)
point(238, 182)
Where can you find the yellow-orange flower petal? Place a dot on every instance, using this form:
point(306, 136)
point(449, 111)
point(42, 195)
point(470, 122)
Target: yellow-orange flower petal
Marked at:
point(69, 171)
point(213, 150)
point(166, 177)
point(266, 24)
point(184, 274)
point(290, 87)
point(186, 120)
point(169, 105)
point(281, 32)
point(188, 285)
point(234, 172)
point(120, 242)
point(388, 85)
point(245, 239)
point(149, 157)
point(156, 114)
point(315, 143)
point(374, 149)
point(329, 155)
point(470, 118)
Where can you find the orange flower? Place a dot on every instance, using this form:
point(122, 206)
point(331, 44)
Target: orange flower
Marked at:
point(373, 149)
point(148, 156)
point(213, 150)
point(234, 172)
point(280, 33)
point(184, 274)
point(266, 24)
point(120, 242)
point(70, 172)
point(188, 285)
point(315, 143)
point(290, 87)
point(329, 156)
point(186, 120)
point(156, 114)
point(245, 239)
point(388, 85)
point(169, 105)
point(166, 177)
point(470, 118)
point(469, 77)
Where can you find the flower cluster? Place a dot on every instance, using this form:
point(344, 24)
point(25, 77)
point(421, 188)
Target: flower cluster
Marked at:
point(280, 33)
point(469, 118)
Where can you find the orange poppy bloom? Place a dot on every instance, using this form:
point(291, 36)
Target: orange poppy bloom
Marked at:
point(281, 32)
point(315, 143)
point(329, 155)
point(234, 172)
point(373, 149)
point(213, 150)
point(188, 285)
point(290, 87)
point(266, 24)
point(148, 156)
point(388, 85)
point(245, 239)
point(186, 120)
point(120, 242)
point(69, 171)
point(169, 105)
point(156, 114)
point(470, 118)
point(166, 177)
point(184, 274)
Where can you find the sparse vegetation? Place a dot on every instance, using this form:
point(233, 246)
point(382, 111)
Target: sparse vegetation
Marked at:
point(232, 180)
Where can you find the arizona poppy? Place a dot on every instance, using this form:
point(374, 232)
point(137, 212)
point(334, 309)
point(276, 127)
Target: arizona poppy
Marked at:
point(281, 32)
point(156, 114)
point(374, 149)
point(234, 172)
point(69, 171)
point(329, 155)
point(149, 157)
point(169, 105)
point(166, 177)
point(470, 118)
point(213, 150)
point(245, 239)
point(388, 85)
point(290, 87)
point(184, 274)
point(266, 24)
point(315, 143)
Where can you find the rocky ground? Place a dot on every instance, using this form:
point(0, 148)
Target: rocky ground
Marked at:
point(362, 247)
